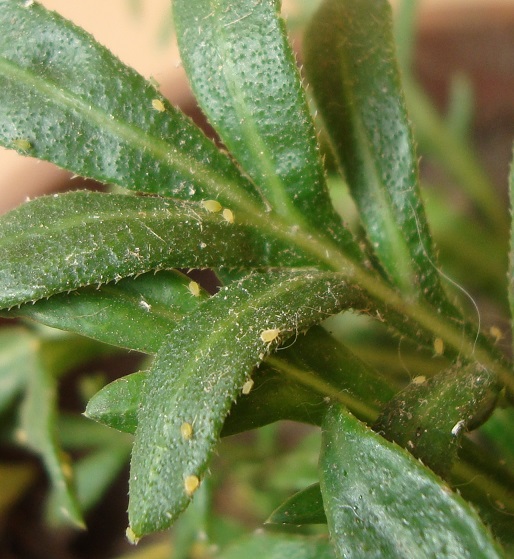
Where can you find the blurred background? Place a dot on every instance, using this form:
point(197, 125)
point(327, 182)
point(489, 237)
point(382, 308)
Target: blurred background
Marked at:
point(461, 53)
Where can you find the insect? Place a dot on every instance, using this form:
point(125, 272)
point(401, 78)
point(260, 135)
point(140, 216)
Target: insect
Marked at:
point(438, 346)
point(191, 484)
point(186, 430)
point(194, 288)
point(270, 335)
point(22, 144)
point(131, 536)
point(247, 387)
point(158, 105)
point(212, 206)
point(496, 333)
point(228, 215)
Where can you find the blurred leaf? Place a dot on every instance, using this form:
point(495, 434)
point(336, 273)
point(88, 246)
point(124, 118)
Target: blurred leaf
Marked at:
point(459, 116)
point(381, 502)
point(280, 546)
point(38, 432)
point(350, 62)
point(456, 156)
point(95, 473)
point(15, 344)
point(62, 242)
point(245, 77)
point(231, 333)
point(305, 507)
point(135, 313)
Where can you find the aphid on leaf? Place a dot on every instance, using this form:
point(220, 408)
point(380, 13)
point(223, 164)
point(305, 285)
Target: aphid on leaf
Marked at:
point(22, 144)
point(247, 387)
point(228, 215)
point(496, 333)
point(212, 206)
point(270, 335)
point(131, 536)
point(438, 346)
point(194, 288)
point(186, 430)
point(191, 484)
point(158, 105)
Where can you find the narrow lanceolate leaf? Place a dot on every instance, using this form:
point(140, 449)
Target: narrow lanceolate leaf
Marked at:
point(116, 404)
point(15, 368)
point(62, 242)
point(381, 502)
point(430, 417)
point(244, 75)
point(295, 384)
point(135, 313)
point(280, 546)
point(188, 393)
point(66, 99)
point(304, 507)
point(350, 62)
point(38, 431)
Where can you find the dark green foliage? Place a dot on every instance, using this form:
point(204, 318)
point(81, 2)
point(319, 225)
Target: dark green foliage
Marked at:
point(103, 265)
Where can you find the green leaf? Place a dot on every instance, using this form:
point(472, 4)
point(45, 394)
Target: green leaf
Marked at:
point(15, 368)
point(280, 546)
point(304, 507)
point(381, 502)
point(116, 404)
point(66, 99)
point(95, 473)
point(136, 313)
point(38, 432)
point(350, 62)
point(429, 417)
point(245, 77)
point(62, 242)
point(188, 393)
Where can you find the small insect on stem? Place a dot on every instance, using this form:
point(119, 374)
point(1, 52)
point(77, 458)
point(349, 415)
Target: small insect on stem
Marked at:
point(438, 346)
point(212, 206)
point(158, 105)
point(228, 215)
point(191, 484)
point(194, 288)
point(270, 335)
point(247, 387)
point(186, 430)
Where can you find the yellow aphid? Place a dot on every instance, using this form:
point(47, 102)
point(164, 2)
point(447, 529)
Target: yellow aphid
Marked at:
point(438, 346)
point(228, 215)
point(496, 333)
point(421, 379)
point(270, 335)
point(194, 288)
point(22, 144)
point(191, 484)
point(131, 536)
point(212, 206)
point(186, 430)
point(247, 387)
point(158, 105)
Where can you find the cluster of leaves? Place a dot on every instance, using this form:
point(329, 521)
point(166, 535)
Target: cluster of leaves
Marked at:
point(101, 265)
